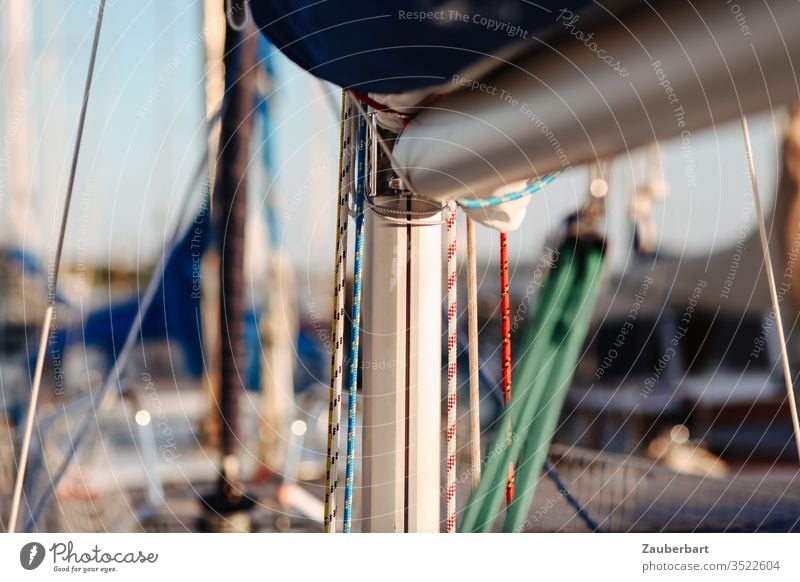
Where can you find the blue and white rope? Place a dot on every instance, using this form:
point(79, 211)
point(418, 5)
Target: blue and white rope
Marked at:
point(356, 322)
point(472, 203)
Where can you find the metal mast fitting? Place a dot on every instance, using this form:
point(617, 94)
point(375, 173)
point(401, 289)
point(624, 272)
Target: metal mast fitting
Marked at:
point(401, 366)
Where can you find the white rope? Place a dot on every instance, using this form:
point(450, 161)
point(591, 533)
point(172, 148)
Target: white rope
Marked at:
point(787, 374)
point(474, 380)
point(347, 139)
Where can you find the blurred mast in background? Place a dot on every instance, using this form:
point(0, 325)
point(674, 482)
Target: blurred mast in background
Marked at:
point(214, 35)
point(15, 168)
point(278, 326)
point(228, 505)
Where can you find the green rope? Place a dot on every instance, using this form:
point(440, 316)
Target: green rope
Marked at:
point(569, 339)
point(550, 352)
point(485, 500)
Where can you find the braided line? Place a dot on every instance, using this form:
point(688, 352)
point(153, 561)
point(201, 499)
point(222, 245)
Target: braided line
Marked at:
point(356, 324)
point(505, 311)
point(452, 364)
point(474, 203)
point(337, 327)
point(474, 363)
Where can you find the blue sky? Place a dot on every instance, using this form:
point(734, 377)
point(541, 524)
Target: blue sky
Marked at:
point(144, 124)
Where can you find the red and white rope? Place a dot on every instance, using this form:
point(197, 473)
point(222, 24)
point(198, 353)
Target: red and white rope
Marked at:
point(452, 363)
point(505, 312)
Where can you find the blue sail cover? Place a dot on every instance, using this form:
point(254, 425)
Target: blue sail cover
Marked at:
point(174, 313)
point(394, 46)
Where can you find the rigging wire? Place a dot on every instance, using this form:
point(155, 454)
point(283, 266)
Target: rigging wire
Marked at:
point(337, 324)
point(155, 279)
point(570, 498)
point(452, 363)
point(787, 374)
point(474, 381)
point(355, 329)
point(49, 313)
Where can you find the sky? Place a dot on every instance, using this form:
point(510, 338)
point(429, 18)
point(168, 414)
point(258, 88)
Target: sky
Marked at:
point(145, 133)
point(144, 125)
